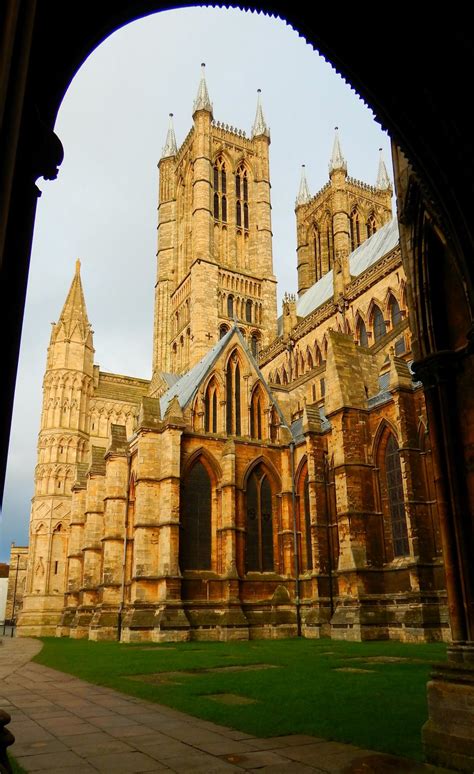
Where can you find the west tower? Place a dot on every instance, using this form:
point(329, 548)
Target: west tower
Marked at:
point(214, 239)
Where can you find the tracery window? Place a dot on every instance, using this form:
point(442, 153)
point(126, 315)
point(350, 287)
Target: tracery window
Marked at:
point(371, 225)
point(233, 424)
point(380, 328)
point(241, 197)
point(220, 190)
point(259, 523)
point(195, 520)
point(395, 498)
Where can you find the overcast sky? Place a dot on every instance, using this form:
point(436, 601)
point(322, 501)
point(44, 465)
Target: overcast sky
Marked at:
point(102, 207)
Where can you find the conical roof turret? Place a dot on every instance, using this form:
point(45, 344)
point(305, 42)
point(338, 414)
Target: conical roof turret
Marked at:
point(259, 125)
point(202, 101)
point(303, 194)
point(337, 159)
point(170, 147)
point(383, 181)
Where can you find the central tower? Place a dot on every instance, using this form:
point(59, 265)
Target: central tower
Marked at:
point(214, 239)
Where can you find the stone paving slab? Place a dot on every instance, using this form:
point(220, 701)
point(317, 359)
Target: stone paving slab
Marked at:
point(63, 724)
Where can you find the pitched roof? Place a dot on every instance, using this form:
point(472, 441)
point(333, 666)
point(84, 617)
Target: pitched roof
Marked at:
point(368, 253)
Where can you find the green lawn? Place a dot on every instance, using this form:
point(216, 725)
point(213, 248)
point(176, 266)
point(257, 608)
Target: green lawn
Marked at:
point(382, 709)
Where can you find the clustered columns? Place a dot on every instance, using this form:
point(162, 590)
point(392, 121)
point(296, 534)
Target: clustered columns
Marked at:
point(340, 222)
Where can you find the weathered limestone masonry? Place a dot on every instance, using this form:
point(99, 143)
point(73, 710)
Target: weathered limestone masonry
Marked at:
point(275, 477)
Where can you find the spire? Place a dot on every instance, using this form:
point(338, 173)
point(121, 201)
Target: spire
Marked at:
point(383, 181)
point(259, 126)
point(337, 159)
point(169, 148)
point(303, 194)
point(74, 310)
point(202, 101)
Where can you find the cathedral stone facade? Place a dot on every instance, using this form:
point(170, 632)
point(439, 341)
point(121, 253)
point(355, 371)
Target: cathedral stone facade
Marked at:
point(274, 477)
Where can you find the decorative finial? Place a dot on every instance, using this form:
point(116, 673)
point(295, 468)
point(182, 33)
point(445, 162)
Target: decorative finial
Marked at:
point(78, 266)
point(303, 194)
point(383, 181)
point(259, 125)
point(202, 101)
point(170, 147)
point(337, 159)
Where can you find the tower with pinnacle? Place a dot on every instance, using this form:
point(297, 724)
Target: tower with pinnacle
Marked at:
point(63, 444)
point(214, 239)
point(336, 220)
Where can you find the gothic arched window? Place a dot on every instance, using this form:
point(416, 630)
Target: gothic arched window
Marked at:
point(233, 425)
point(256, 415)
point(371, 225)
point(210, 408)
point(317, 253)
point(396, 501)
point(395, 314)
point(306, 554)
point(222, 331)
point(230, 306)
point(259, 523)
point(195, 520)
point(380, 328)
point(220, 189)
point(355, 229)
point(362, 334)
point(254, 344)
point(248, 311)
point(242, 197)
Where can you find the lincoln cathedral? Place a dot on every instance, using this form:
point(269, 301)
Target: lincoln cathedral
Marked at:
point(274, 478)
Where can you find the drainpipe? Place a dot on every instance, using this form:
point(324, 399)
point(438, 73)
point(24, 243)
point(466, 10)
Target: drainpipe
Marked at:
point(295, 541)
point(124, 556)
point(328, 531)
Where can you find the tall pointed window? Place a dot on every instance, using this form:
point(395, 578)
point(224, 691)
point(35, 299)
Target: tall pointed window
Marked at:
point(220, 190)
point(230, 306)
point(233, 421)
point(254, 344)
point(242, 197)
point(317, 253)
point(395, 314)
point(210, 408)
point(380, 328)
point(195, 533)
point(305, 548)
point(329, 241)
point(362, 334)
point(248, 311)
point(395, 499)
point(355, 229)
point(256, 415)
point(371, 225)
point(259, 523)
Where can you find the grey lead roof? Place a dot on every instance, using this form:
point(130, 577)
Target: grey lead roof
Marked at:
point(368, 253)
point(186, 387)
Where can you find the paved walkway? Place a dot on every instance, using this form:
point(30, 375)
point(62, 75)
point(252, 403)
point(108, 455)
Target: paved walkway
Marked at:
point(63, 724)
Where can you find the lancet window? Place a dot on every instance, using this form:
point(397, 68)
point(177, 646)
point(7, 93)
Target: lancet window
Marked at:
point(317, 253)
point(220, 190)
point(242, 197)
point(196, 508)
point(210, 408)
point(233, 420)
point(395, 313)
point(259, 523)
point(362, 334)
point(355, 229)
point(371, 225)
point(395, 498)
point(380, 328)
point(257, 415)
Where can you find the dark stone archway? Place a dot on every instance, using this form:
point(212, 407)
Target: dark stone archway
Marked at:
point(413, 75)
